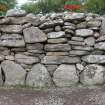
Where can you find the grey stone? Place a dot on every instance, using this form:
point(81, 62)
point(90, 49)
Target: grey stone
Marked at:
point(59, 40)
point(2, 57)
point(90, 41)
point(20, 58)
point(93, 74)
point(48, 30)
point(84, 48)
point(12, 40)
point(57, 47)
point(57, 53)
point(99, 59)
point(56, 34)
point(94, 23)
point(102, 31)
point(10, 57)
point(38, 77)
point(69, 31)
point(74, 16)
point(77, 39)
point(60, 59)
point(57, 28)
point(100, 46)
point(78, 43)
point(16, 12)
point(78, 52)
point(84, 32)
point(101, 38)
point(1, 77)
point(33, 35)
point(14, 73)
point(81, 25)
point(69, 27)
point(11, 28)
point(4, 20)
point(79, 67)
point(65, 76)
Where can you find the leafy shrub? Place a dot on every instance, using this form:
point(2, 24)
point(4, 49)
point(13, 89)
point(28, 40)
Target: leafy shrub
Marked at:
point(95, 6)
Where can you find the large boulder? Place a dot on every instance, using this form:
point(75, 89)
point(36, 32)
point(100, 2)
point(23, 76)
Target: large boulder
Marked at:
point(84, 32)
point(12, 40)
point(99, 59)
point(65, 75)
point(38, 76)
point(93, 74)
point(16, 12)
point(20, 58)
point(14, 73)
point(33, 35)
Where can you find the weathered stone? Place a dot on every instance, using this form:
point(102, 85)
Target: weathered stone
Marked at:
point(69, 24)
point(12, 40)
point(1, 77)
point(1, 58)
point(84, 32)
point(59, 40)
point(16, 12)
point(69, 27)
point(78, 52)
point(36, 51)
point(48, 30)
point(56, 34)
point(38, 76)
point(100, 46)
point(14, 73)
point(20, 58)
point(79, 67)
point(65, 75)
point(76, 43)
point(81, 25)
point(84, 48)
point(57, 47)
point(60, 59)
point(99, 59)
point(10, 57)
point(4, 21)
point(33, 35)
point(74, 16)
point(94, 23)
point(20, 49)
point(102, 31)
point(57, 53)
point(57, 28)
point(97, 52)
point(90, 41)
point(96, 34)
point(93, 75)
point(77, 39)
point(36, 46)
point(11, 28)
point(69, 31)
point(101, 38)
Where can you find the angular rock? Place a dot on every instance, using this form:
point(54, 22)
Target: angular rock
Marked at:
point(57, 47)
point(90, 41)
point(59, 40)
point(65, 76)
point(12, 40)
point(82, 25)
point(33, 35)
point(93, 74)
point(80, 67)
point(99, 59)
point(16, 12)
point(56, 34)
point(14, 73)
point(101, 38)
point(84, 32)
point(100, 46)
point(38, 77)
point(20, 58)
point(11, 28)
point(60, 59)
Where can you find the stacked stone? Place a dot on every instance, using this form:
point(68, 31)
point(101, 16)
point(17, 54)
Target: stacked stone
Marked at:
point(56, 49)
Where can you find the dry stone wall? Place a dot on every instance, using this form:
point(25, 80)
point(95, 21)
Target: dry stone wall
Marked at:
point(57, 49)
